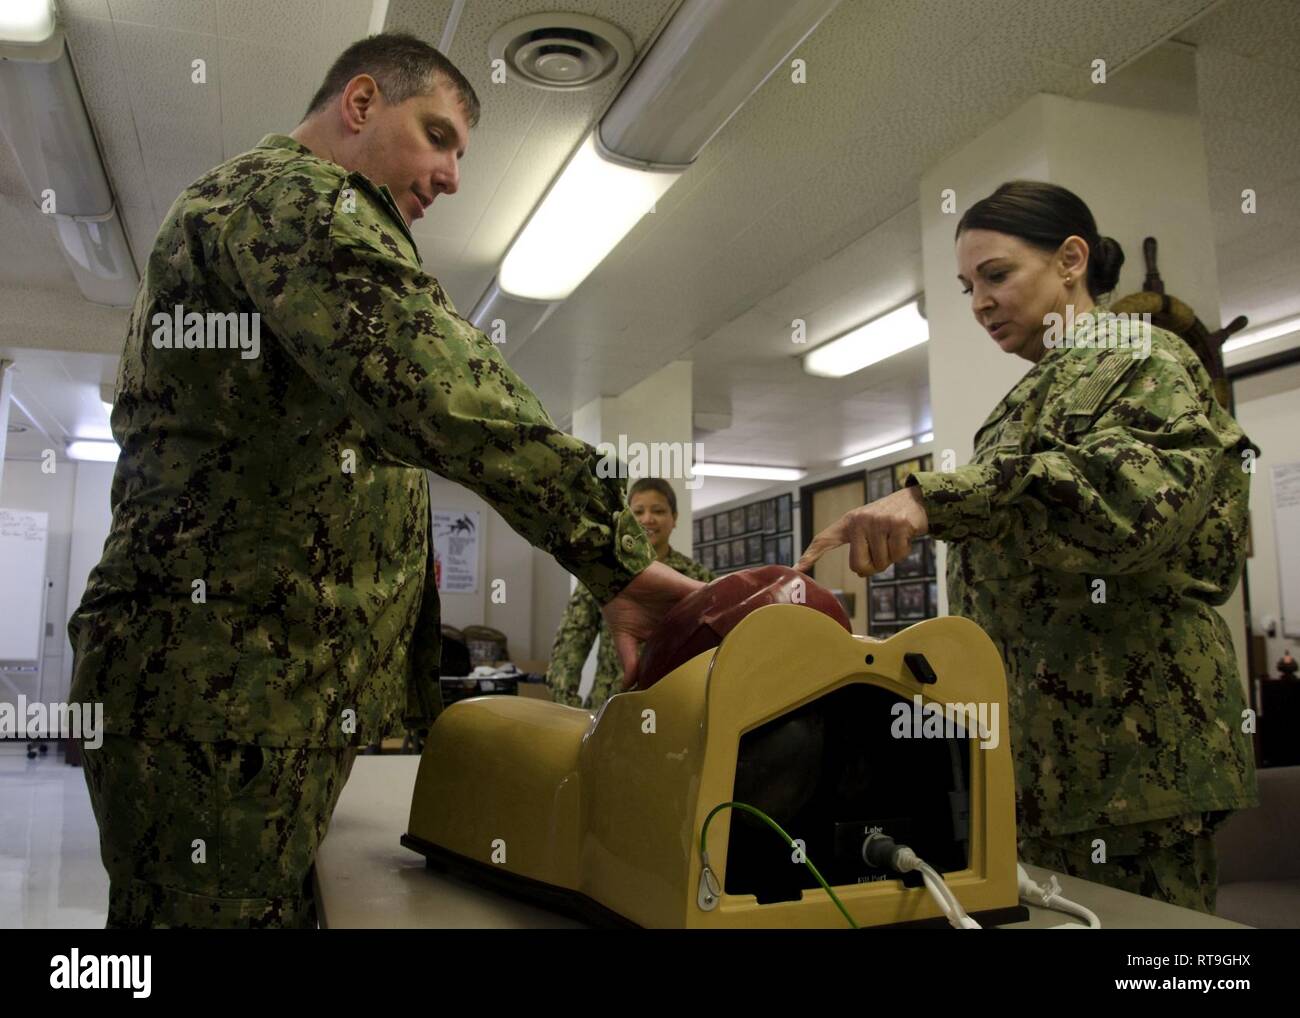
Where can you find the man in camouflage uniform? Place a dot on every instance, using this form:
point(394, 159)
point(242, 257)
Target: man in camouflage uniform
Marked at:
point(654, 503)
point(1100, 520)
point(265, 602)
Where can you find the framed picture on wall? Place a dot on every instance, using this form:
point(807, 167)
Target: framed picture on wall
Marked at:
point(914, 564)
point(770, 549)
point(737, 522)
point(754, 549)
point(911, 600)
point(723, 525)
point(883, 605)
point(785, 550)
point(934, 599)
point(784, 515)
point(769, 516)
point(881, 632)
point(722, 556)
point(737, 551)
point(879, 484)
point(706, 529)
point(883, 575)
point(753, 518)
point(695, 531)
point(929, 557)
point(706, 557)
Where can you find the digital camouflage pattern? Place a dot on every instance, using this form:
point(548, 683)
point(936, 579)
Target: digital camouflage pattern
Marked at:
point(257, 814)
point(1098, 466)
point(583, 623)
point(292, 485)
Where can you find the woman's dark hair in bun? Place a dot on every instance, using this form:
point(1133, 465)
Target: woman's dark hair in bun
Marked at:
point(1044, 215)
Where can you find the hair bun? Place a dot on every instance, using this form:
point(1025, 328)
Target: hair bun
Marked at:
point(1104, 265)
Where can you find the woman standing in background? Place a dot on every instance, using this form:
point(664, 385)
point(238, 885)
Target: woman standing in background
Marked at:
point(1100, 521)
point(654, 504)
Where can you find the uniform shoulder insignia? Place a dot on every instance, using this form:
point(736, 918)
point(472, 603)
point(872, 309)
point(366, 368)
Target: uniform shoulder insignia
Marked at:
point(1092, 390)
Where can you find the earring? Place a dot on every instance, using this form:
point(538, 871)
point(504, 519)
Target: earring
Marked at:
point(1069, 280)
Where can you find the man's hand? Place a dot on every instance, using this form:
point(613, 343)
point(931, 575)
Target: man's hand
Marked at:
point(878, 534)
point(633, 615)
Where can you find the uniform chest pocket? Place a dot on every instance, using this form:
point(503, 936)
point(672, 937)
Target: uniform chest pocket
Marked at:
point(1010, 435)
point(1005, 437)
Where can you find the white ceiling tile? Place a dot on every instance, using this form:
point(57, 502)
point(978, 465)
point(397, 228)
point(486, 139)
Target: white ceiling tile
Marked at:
point(32, 253)
point(264, 90)
point(141, 224)
point(1265, 30)
point(276, 23)
point(1258, 93)
point(71, 9)
point(343, 22)
point(13, 182)
point(181, 15)
point(178, 120)
point(96, 57)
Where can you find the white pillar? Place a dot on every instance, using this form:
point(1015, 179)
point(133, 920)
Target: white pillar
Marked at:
point(654, 412)
point(1134, 152)
point(6, 387)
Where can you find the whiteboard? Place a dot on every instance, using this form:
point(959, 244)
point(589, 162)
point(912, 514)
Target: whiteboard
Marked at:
point(1286, 534)
point(23, 537)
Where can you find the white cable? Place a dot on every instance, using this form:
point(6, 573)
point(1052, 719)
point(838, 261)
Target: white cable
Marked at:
point(905, 861)
point(1048, 895)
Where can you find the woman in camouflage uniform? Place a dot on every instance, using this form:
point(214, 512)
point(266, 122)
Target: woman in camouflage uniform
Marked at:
point(1101, 520)
point(654, 503)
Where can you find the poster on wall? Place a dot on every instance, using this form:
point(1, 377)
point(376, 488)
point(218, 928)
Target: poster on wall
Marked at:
point(455, 549)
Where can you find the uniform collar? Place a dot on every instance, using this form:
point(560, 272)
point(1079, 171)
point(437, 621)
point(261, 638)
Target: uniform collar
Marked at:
point(285, 142)
point(674, 556)
point(1079, 324)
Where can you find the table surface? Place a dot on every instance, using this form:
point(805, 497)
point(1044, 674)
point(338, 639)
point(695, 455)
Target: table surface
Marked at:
point(367, 880)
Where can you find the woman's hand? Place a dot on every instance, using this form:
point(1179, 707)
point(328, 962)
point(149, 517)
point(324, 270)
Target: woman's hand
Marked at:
point(640, 607)
point(878, 534)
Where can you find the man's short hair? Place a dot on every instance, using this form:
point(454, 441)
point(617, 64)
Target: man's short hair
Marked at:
point(403, 66)
point(657, 484)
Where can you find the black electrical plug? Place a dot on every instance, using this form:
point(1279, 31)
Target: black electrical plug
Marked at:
point(878, 851)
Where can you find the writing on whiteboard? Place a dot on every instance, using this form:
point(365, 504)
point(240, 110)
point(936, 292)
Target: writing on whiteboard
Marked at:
point(23, 526)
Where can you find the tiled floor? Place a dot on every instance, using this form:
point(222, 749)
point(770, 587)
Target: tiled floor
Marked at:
point(50, 873)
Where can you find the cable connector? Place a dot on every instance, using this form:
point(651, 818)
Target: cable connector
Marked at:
point(882, 852)
point(1048, 895)
point(710, 890)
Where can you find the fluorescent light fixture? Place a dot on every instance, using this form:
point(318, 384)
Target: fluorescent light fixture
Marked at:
point(26, 21)
point(872, 454)
point(1265, 332)
point(879, 338)
point(754, 473)
point(927, 437)
point(44, 119)
point(89, 449)
point(589, 209)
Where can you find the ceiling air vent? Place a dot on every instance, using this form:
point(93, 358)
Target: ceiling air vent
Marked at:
point(561, 52)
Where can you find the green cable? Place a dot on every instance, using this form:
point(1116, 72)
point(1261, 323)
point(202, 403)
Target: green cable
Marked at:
point(704, 852)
